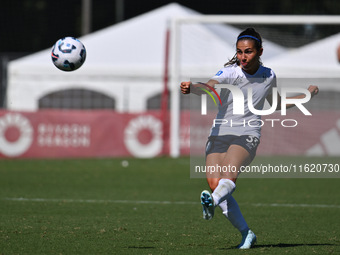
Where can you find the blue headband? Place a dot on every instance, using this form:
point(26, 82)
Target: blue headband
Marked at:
point(249, 36)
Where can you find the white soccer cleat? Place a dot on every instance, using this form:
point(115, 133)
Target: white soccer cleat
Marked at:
point(248, 240)
point(207, 204)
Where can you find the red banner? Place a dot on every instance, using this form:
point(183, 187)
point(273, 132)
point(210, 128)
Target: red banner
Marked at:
point(298, 134)
point(64, 134)
point(61, 134)
point(291, 134)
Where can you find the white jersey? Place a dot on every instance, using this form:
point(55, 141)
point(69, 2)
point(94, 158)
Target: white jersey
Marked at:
point(261, 83)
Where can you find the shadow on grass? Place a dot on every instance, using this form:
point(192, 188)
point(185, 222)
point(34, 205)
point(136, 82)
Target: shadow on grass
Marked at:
point(141, 247)
point(283, 245)
point(286, 245)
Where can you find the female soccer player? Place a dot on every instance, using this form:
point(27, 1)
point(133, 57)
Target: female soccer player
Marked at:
point(233, 146)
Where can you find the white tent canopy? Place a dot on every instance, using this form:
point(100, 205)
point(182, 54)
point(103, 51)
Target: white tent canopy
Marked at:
point(316, 63)
point(126, 61)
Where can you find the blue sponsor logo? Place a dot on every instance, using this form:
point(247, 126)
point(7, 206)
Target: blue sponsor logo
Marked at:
point(219, 73)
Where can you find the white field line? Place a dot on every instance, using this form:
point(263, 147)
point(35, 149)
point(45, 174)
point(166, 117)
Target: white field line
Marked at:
point(296, 205)
point(95, 201)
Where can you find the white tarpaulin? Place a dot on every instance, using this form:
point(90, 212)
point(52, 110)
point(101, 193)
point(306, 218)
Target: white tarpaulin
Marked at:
point(126, 61)
point(315, 63)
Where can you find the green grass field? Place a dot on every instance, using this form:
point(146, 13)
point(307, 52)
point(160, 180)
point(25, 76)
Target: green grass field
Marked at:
point(97, 206)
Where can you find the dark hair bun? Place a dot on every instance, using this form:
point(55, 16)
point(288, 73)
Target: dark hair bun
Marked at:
point(252, 33)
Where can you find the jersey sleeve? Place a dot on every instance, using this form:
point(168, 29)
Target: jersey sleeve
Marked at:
point(222, 76)
point(274, 82)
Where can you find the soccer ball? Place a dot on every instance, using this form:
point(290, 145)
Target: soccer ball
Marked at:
point(68, 54)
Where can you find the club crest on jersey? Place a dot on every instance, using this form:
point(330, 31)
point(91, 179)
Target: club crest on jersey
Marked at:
point(219, 73)
point(237, 81)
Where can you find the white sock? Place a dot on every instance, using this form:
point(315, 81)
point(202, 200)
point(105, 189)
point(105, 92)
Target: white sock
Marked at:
point(224, 189)
point(232, 211)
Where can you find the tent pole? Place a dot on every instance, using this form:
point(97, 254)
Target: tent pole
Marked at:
point(86, 16)
point(119, 10)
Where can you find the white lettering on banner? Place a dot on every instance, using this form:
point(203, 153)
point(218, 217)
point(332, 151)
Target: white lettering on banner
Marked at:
point(133, 129)
point(64, 135)
point(329, 143)
point(25, 134)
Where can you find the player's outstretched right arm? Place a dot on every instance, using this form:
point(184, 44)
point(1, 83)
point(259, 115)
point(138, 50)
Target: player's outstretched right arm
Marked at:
point(187, 87)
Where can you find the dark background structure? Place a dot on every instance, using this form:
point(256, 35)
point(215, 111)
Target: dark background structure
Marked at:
point(28, 26)
point(31, 25)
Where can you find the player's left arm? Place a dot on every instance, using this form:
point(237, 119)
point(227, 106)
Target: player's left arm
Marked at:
point(314, 90)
